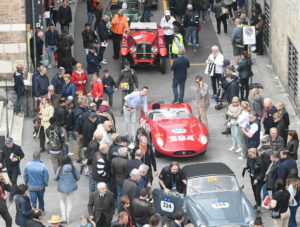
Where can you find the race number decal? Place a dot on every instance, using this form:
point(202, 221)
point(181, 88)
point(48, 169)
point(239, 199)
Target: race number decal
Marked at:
point(182, 138)
point(167, 205)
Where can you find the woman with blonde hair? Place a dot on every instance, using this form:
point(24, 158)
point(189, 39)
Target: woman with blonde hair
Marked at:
point(256, 102)
point(293, 185)
point(46, 112)
point(233, 112)
point(79, 78)
point(257, 169)
point(282, 128)
point(285, 115)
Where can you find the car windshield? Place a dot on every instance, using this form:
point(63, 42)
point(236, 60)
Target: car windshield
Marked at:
point(170, 113)
point(211, 184)
point(130, 6)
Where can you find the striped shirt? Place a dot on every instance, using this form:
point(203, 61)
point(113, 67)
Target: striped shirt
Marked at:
point(101, 167)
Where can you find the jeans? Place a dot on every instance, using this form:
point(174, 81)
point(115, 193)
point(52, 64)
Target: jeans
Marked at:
point(13, 173)
point(191, 30)
point(147, 15)
point(65, 202)
point(49, 20)
point(230, 10)
point(18, 104)
point(119, 194)
point(101, 53)
point(292, 220)
point(211, 5)
point(6, 217)
point(215, 82)
point(37, 196)
point(92, 182)
point(244, 86)
point(130, 119)
point(56, 160)
point(181, 84)
point(235, 133)
point(90, 20)
point(50, 50)
point(109, 98)
point(265, 191)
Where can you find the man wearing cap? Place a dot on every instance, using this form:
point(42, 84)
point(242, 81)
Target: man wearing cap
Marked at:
point(88, 36)
point(167, 25)
point(119, 25)
point(55, 221)
point(180, 66)
point(92, 64)
point(10, 158)
point(202, 100)
point(58, 80)
point(126, 80)
point(131, 102)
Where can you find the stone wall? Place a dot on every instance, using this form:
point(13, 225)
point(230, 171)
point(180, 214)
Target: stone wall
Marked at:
point(13, 41)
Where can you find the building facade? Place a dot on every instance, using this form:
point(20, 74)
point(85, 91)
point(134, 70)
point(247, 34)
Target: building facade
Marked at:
point(282, 42)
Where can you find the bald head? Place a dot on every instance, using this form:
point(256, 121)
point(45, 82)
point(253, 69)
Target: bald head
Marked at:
point(98, 136)
point(107, 126)
point(104, 148)
point(20, 68)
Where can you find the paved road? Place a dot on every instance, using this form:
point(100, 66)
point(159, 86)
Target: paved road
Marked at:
point(160, 89)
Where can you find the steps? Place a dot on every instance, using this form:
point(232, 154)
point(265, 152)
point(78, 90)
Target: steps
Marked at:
point(15, 124)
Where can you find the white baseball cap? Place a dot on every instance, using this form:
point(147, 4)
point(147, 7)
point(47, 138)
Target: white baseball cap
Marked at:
point(167, 13)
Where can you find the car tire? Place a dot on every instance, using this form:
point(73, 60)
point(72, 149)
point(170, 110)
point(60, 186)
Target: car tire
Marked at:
point(163, 64)
point(203, 153)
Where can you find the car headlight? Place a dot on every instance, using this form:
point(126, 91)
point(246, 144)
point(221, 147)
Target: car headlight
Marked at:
point(133, 49)
point(154, 49)
point(251, 224)
point(160, 141)
point(203, 139)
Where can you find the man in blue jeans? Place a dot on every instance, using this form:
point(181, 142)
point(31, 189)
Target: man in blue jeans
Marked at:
point(191, 22)
point(36, 176)
point(51, 41)
point(180, 66)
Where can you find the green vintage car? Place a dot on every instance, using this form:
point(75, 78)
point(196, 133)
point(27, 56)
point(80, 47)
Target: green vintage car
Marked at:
point(133, 9)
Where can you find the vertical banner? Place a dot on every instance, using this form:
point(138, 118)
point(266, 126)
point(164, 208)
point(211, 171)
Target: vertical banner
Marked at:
point(38, 13)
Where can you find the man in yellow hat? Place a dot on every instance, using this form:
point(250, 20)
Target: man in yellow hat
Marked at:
point(55, 221)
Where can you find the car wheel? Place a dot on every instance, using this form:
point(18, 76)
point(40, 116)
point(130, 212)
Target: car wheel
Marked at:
point(163, 64)
point(203, 152)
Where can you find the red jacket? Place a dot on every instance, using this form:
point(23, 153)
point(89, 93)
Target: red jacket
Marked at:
point(76, 77)
point(97, 90)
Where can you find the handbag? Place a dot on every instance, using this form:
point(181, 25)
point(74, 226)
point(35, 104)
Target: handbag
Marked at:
point(210, 69)
point(110, 90)
point(275, 214)
point(224, 10)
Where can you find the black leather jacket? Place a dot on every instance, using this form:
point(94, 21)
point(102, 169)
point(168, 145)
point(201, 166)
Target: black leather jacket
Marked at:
point(142, 211)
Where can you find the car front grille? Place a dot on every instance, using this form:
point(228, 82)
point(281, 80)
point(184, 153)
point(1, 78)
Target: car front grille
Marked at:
point(184, 152)
point(143, 51)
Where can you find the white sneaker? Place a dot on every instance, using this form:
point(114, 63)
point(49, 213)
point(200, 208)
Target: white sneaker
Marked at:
point(20, 115)
point(70, 153)
point(232, 148)
point(190, 44)
point(49, 66)
point(239, 150)
point(104, 62)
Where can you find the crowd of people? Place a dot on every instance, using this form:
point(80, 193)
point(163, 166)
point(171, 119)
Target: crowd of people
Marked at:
point(76, 105)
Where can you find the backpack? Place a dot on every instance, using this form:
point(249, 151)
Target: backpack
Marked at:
point(54, 142)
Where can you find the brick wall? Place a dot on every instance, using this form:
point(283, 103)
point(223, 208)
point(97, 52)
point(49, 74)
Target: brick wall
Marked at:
point(12, 36)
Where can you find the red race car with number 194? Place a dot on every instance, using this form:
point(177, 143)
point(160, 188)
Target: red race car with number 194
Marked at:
point(174, 130)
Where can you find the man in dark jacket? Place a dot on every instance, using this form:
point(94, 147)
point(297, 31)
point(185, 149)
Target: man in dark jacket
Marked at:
point(103, 35)
point(92, 64)
point(37, 219)
point(118, 171)
point(4, 186)
point(142, 208)
point(120, 141)
point(88, 129)
point(60, 113)
point(178, 8)
point(101, 206)
point(10, 158)
point(64, 17)
point(180, 66)
point(52, 96)
point(276, 141)
point(191, 22)
point(232, 88)
point(130, 185)
point(41, 84)
point(58, 80)
point(134, 163)
point(267, 119)
point(88, 36)
point(39, 43)
point(285, 165)
point(179, 218)
point(92, 148)
point(51, 41)
point(100, 167)
point(19, 88)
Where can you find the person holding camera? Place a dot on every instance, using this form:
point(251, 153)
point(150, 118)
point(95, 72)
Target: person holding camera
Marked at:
point(4, 186)
point(202, 100)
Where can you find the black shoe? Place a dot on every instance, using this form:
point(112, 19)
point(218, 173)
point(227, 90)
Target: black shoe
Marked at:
point(180, 102)
point(226, 132)
point(254, 51)
point(78, 161)
point(174, 102)
point(11, 198)
point(42, 150)
point(259, 54)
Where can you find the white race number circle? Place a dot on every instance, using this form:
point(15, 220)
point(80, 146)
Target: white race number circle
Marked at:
point(167, 205)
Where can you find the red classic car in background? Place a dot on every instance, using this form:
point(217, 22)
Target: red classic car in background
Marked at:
point(174, 130)
point(144, 45)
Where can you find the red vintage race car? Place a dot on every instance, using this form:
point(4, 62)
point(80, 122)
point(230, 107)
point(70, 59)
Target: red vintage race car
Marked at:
point(174, 130)
point(144, 45)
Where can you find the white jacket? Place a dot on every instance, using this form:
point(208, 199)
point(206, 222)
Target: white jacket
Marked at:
point(164, 22)
point(105, 138)
point(218, 61)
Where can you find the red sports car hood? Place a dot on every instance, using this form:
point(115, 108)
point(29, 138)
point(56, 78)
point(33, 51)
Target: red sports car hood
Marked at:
point(179, 134)
point(142, 36)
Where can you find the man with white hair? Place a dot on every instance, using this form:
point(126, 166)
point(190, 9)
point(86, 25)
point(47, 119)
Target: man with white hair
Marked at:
point(105, 129)
point(215, 61)
point(37, 52)
point(130, 185)
point(118, 170)
point(52, 96)
point(167, 25)
point(101, 206)
point(267, 119)
point(143, 182)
